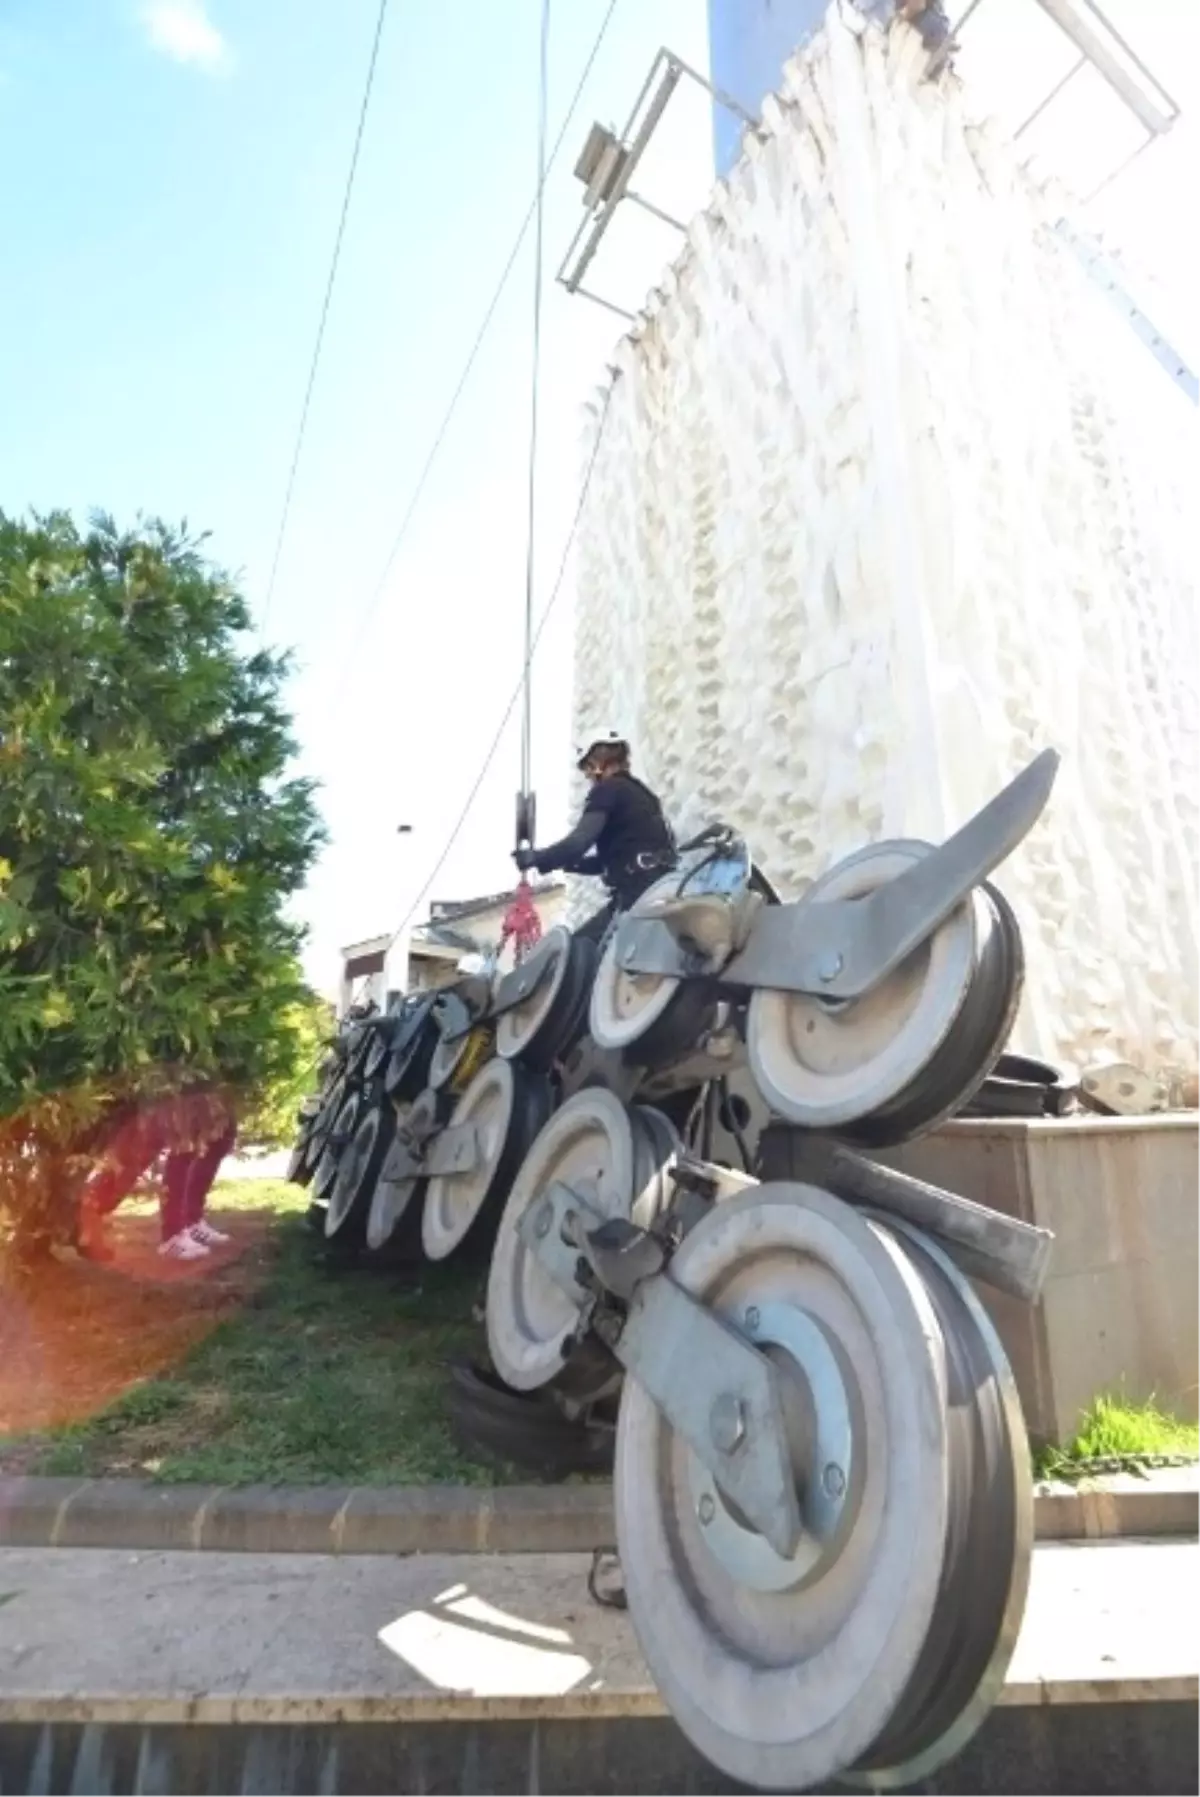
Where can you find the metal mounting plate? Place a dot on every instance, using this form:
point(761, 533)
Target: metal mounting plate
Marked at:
point(666, 1337)
point(455, 1150)
point(1005, 1253)
point(841, 949)
point(523, 980)
point(554, 1230)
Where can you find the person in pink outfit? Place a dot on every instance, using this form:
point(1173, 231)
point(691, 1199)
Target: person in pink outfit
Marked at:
point(195, 1130)
point(187, 1180)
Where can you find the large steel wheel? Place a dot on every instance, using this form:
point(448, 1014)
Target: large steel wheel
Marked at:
point(379, 1053)
point(505, 1106)
point(332, 1099)
point(358, 1174)
point(885, 1067)
point(357, 1050)
point(412, 1050)
point(593, 1141)
point(879, 1645)
point(305, 1153)
point(985, 1575)
point(454, 1063)
point(624, 1006)
point(538, 1030)
point(340, 1134)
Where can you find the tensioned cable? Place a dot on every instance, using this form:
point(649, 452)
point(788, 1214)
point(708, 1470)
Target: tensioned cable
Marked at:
point(485, 323)
point(539, 211)
point(522, 683)
point(324, 318)
point(488, 759)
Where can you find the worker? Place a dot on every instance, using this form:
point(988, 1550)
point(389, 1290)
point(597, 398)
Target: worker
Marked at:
point(622, 836)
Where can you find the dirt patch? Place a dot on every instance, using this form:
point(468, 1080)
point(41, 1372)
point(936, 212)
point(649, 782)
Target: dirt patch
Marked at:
point(77, 1335)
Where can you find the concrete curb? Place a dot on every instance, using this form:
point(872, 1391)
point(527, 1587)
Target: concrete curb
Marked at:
point(1103, 1748)
point(1166, 1503)
point(433, 1519)
point(452, 1519)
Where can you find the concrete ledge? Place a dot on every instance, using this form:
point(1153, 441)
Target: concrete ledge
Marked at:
point(1165, 1504)
point(475, 1672)
point(451, 1519)
point(1019, 1751)
point(132, 1513)
point(314, 1710)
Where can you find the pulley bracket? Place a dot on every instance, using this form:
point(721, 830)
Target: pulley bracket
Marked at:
point(731, 1417)
point(452, 1150)
point(455, 1017)
point(1007, 1254)
point(554, 1230)
point(843, 948)
point(522, 982)
point(455, 1150)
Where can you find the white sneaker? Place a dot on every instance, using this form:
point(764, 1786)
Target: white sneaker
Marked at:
point(183, 1247)
point(207, 1236)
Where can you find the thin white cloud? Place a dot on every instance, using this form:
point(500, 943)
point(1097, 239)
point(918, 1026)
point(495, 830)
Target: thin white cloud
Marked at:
point(182, 30)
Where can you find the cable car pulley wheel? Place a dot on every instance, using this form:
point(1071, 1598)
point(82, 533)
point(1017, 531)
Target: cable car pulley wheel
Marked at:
point(394, 1219)
point(598, 1142)
point(505, 1106)
point(532, 1030)
point(378, 1054)
point(455, 1061)
point(341, 1133)
point(625, 1006)
point(412, 1051)
point(358, 1174)
point(881, 1642)
point(891, 1064)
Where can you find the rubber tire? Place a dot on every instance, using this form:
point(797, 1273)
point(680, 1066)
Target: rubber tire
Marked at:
point(491, 1422)
point(351, 1231)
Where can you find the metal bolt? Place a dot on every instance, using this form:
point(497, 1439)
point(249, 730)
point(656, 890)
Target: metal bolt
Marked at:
point(727, 1422)
point(834, 1480)
point(706, 1509)
point(544, 1220)
point(830, 967)
point(752, 1318)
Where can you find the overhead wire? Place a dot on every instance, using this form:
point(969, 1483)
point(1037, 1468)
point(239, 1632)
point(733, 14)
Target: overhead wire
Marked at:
point(318, 345)
point(480, 336)
point(522, 685)
point(535, 386)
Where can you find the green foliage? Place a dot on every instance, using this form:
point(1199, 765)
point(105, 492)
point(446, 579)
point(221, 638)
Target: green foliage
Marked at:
point(306, 1028)
point(149, 834)
point(328, 1377)
point(1113, 1429)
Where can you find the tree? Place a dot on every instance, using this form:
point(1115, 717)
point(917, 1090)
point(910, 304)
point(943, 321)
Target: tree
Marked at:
point(308, 1027)
point(149, 839)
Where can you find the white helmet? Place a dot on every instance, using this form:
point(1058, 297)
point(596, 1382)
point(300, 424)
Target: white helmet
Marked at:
point(600, 739)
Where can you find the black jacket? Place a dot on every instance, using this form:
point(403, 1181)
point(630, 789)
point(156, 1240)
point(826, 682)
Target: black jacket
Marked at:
point(622, 836)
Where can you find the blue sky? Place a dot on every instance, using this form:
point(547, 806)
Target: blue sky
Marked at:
point(173, 173)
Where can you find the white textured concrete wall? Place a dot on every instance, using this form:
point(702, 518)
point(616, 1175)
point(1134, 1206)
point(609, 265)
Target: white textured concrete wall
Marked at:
point(887, 497)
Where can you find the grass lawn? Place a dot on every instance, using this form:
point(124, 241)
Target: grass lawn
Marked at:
point(270, 1365)
point(315, 1375)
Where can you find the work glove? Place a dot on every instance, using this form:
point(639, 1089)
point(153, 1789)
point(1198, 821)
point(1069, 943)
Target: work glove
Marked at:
point(526, 860)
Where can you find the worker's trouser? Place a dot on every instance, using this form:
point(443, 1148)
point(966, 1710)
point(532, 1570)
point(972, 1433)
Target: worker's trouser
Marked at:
point(632, 888)
point(596, 928)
